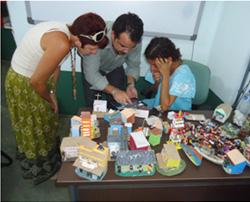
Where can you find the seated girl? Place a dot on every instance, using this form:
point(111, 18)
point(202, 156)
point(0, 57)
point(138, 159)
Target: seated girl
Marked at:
point(176, 81)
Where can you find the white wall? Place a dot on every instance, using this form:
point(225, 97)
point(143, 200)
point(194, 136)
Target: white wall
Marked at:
point(230, 50)
point(223, 43)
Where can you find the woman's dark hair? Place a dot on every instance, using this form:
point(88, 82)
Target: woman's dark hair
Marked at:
point(89, 24)
point(131, 24)
point(162, 47)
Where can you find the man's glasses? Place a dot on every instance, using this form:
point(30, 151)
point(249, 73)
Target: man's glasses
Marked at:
point(97, 37)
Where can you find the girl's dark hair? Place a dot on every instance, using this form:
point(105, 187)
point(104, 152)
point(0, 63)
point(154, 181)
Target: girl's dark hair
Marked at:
point(89, 24)
point(162, 47)
point(131, 24)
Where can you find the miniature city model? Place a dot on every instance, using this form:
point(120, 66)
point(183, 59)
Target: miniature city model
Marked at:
point(92, 162)
point(135, 163)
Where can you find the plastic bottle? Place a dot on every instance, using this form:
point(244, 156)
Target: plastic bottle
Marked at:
point(244, 104)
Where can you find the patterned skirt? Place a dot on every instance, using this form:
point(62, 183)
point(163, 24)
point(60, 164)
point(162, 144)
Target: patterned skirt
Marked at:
point(35, 125)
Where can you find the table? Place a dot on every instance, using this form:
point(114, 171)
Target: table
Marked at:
point(207, 182)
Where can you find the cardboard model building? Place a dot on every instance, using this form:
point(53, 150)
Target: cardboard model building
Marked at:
point(100, 108)
point(155, 135)
point(113, 117)
point(138, 141)
point(169, 157)
point(235, 162)
point(135, 163)
point(128, 115)
point(86, 125)
point(222, 112)
point(169, 161)
point(75, 123)
point(117, 142)
point(69, 148)
point(92, 162)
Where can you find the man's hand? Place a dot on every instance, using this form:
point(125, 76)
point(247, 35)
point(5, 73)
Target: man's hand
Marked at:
point(131, 91)
point(121, 96)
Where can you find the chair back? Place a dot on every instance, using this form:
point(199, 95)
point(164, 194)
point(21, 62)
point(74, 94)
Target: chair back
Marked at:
point(202, 76)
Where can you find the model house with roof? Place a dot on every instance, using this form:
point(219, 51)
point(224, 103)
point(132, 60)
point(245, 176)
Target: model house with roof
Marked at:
point(222, 112)
point(155, 133)
point(69, 148)
point(138, 141)
point(92, 162)
point(86, 125)
point(113, 117)
point(128, 115)
point(235, 162)
point(169, 157)
point(100, 108)
point(135, 163)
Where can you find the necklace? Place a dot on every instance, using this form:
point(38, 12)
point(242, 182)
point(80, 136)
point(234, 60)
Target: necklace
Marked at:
point(73, 68)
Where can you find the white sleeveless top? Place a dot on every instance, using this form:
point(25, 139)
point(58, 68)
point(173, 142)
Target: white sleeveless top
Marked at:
point(28, 54)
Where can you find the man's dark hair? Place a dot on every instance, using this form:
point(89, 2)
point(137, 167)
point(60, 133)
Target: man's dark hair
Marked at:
point(131, 24)
point(162, 47)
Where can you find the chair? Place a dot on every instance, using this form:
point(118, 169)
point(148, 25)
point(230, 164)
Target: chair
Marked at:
point(202, 76)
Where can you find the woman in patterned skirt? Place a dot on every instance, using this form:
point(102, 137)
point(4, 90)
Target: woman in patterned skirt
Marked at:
point(31, 83)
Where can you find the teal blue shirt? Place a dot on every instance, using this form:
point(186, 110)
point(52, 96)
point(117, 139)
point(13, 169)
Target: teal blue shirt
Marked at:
point(181, 84)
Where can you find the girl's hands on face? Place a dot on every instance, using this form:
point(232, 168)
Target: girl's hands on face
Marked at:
point(155, 72)
point(157, 76)
point(163, 65)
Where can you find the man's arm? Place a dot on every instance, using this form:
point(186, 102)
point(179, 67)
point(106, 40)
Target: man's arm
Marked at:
point(133, 62)
point(91, 65)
